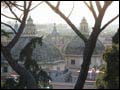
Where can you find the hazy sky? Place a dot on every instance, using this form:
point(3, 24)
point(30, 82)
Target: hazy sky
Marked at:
point(44, 14)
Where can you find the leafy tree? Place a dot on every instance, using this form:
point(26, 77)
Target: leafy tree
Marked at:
point(115, 38)
point(110, 78)
point(41, 76)
point(112, 70)
point(10, 83)
point(100, 82)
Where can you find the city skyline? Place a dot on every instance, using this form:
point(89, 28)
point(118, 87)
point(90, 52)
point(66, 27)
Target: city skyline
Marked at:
point(59, 44)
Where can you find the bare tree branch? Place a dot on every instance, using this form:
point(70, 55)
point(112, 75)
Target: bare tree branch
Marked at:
point(6, 51)
point(9, 27)
point(87, 4)
point(16, 5)
point(91, 41)
point(107, 3)
point(8, 16)
point(101, 14)
point(29, 5)
point(19, 5)
point(58, 5)
point(13, 12)
point(67, 20)
point(71, 11)
point(91, 9)
point(98, 5)
point(21, 15)
point(21, 28)
point(24, 7)
point(36, 6)
point(109, 22)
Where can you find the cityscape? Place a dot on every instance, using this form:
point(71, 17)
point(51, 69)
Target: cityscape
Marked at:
point(53, 54)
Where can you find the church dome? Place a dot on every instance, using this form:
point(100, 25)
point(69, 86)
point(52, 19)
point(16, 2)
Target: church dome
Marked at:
point(76, 47)
point(47, 53)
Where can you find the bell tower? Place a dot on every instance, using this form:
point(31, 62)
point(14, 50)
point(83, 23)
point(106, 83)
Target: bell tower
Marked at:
point(30, 29)
point(16, 26)
point(84, 27)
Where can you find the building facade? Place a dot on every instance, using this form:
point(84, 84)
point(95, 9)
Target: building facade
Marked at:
point(73, 52)
point(59, 57)
point(47, 55)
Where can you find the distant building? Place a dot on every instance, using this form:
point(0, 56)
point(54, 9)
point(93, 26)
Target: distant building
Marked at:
point(106, 39)
point(73, 52)
point(6, 70)
point(61, 56)
point(56, 39)
point(16, 26)
point(47, 55)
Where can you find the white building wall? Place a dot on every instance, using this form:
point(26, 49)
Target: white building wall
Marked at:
point(95, 60)
point(61, 66)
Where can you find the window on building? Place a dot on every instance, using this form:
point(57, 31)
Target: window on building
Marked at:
point(72, 62)
point(5, 69)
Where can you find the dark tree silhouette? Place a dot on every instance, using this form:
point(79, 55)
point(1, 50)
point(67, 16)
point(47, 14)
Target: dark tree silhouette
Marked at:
point(91, 41)
point(24, 8)
point(31, 65)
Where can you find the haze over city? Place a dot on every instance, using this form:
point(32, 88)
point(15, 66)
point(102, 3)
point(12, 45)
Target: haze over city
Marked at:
point(60, 44)
point(43, 14)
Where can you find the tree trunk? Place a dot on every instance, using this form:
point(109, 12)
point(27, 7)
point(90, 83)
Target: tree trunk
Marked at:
point(88, 51)
point(29, 79)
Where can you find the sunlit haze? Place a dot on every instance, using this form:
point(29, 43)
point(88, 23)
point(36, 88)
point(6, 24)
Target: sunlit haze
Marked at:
point(44, 14)
point(74, 45)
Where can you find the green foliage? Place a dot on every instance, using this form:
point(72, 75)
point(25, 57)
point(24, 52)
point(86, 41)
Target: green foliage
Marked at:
point(100, 80)
point(39, 74)
point(100, 83)
point(115, 38)
point(10, 83)
point(42, 78)
point(112, 54)
point(110, 78)
point(112, 59)
point(2, 83)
